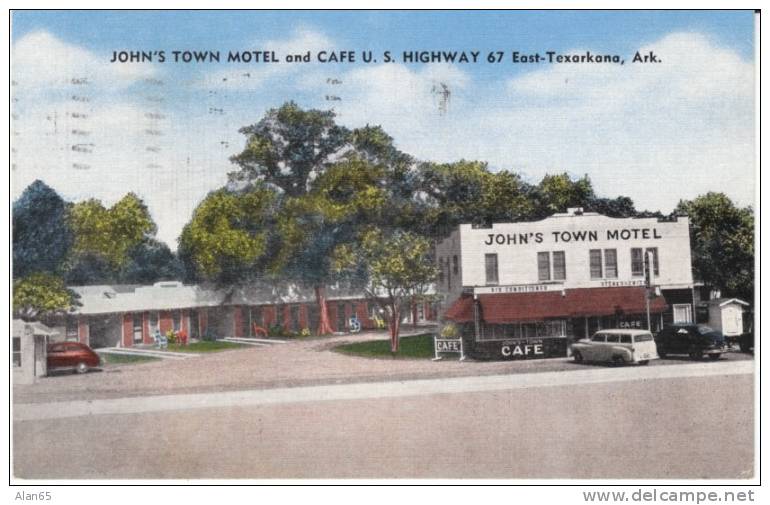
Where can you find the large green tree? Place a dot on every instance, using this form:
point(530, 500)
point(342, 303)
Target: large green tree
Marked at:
point(331, 182)
point(41, 294)
point(42, 238)
point(227, 238)
point(111, 233)
point(468, 192)
point(399, 268)
point(722, 236)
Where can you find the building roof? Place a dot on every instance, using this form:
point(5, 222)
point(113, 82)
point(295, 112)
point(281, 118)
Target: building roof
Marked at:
point(509, 307)
point(174, 295)
point(107, 299)
point(726, 301)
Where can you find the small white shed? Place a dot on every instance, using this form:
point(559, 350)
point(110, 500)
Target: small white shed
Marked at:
point(726, 315)
point(29, 354)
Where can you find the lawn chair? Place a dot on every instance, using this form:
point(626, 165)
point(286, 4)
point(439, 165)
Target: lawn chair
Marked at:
point(160, 340)
point(354, 325)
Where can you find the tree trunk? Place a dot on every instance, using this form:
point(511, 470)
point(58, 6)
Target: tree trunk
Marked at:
point(395, 322)
point(324, 327)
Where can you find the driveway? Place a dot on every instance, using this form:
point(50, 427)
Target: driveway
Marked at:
point(301, 362)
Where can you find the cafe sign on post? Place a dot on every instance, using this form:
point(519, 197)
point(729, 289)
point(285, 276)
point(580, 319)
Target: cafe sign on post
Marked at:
point(448, 345)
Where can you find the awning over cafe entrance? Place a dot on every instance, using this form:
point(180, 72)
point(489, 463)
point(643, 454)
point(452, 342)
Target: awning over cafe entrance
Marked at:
point(585, 302)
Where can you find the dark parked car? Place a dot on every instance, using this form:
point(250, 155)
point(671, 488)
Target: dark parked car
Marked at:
point(73, 355)
point(695, 340)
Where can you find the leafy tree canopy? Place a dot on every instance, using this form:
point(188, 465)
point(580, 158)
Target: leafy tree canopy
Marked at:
point(41, 294)
point(110, 233)
point(229, 233)
point(722, 242)
point(41, 235)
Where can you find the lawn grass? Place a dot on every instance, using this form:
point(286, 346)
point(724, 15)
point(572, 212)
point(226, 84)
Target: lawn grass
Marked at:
point(414, 347)
point(120, 359)
point(204, 346)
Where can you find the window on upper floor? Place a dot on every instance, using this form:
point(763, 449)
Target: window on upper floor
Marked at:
point(490, 261)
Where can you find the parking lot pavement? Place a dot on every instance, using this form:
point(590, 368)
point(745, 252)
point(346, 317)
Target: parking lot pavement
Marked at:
point(301, 362)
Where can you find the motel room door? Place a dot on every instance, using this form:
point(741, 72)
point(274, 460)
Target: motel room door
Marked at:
point(138, 322)
point(194, 326)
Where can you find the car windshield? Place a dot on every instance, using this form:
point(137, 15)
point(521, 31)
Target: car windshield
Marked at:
point(646, 337)
point(705, 329)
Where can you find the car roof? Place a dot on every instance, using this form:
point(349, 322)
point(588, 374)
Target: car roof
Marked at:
point(624, 331)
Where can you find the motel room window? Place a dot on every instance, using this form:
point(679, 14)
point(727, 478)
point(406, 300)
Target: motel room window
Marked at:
point(16, 351)
point(455, 265)
point(544, 266)
point(177, 318)
point(595, 256)
point(637, 262)
point(610, 264)
point(279, 315)
point(559, 266)
point(490, 261)
point(72, 329)
point(654, 251)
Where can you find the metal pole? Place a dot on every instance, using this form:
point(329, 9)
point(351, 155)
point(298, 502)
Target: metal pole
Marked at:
point(647, 300)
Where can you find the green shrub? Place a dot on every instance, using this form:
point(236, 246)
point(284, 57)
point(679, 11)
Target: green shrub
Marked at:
point(450, 331)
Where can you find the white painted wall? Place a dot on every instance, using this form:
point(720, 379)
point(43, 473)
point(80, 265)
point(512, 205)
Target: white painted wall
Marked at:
point(517, 262)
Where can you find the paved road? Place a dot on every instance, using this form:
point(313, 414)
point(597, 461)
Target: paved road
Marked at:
point(301, 362)
point(685, 421)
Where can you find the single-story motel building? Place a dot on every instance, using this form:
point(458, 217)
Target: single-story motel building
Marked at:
point(528, 289)
point(128, 315)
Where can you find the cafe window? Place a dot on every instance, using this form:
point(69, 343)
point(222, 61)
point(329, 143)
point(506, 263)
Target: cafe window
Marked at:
point(637, 262)
point(491, 267)
point(544, 266)
point(610, 263)
point(559, 266)
point(654, 251)
point(16, 351)
point(455, 265)
point(595, 257)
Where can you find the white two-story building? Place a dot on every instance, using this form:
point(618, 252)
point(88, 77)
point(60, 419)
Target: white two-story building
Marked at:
point(526, 290)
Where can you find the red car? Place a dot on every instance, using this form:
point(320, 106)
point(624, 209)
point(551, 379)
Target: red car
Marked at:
point(74, 355)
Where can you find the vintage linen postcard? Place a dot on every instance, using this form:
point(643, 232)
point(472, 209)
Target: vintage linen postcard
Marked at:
point(372, 245)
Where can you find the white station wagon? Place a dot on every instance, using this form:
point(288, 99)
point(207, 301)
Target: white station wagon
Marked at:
point(617, 346)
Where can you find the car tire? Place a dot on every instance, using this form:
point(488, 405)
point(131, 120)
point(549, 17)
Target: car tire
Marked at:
point(715, 357)
point(577, 356)
point(644, 362)
point(696, 355)
point(618, 360)
point(81, 368)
